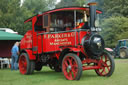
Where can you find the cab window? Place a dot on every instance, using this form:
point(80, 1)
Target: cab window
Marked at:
point(61, 20)
point(65, 20)
point(39, 25)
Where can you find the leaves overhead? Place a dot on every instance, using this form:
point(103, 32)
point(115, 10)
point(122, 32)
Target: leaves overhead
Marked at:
point(69, 3)
point(114, 29)
point(115, 20)
point(12, 15)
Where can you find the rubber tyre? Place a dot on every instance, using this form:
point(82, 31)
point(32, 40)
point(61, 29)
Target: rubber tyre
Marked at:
point(123, 53)
point(32, 67)
point(24, 64)
point(77, 61)
point(112, 67)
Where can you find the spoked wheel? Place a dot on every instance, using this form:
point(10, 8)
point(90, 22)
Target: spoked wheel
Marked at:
point(107, 65)
point(25, 65)
point(72, 66)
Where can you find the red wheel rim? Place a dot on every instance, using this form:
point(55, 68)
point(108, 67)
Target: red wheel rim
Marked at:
point(22, 64)
point(70, 67)
point(105, 65)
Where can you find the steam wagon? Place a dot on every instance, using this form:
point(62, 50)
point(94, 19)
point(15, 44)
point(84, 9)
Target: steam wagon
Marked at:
point(67, 40)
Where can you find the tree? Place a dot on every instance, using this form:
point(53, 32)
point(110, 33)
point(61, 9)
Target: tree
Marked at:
point(37, 6)
point(114, 7)
point(12, 15)
point(68, 3)
point(114, 29)
point(114, 20)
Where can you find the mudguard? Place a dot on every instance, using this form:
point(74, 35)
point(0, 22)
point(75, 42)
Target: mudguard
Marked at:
point(29, 52)
point(74, 49)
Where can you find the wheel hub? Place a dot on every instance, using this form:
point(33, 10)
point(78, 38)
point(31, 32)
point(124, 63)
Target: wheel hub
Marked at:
point(69, 67)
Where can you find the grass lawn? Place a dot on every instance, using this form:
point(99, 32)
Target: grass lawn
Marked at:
point(49, 77)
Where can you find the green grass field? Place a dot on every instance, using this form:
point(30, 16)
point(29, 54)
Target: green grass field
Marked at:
point(49, 77)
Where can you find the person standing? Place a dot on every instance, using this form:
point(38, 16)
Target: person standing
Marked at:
point(15, 53)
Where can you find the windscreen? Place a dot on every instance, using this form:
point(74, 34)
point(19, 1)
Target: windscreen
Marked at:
point(65, 20)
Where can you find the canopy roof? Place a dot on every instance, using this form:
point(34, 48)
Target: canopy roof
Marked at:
point(62, 9)
point(9, 36)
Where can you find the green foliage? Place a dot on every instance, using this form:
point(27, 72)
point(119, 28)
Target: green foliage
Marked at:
point(114, 7)
point(37, 6)
point(115, 20)
point(12, 15)
point(114, 29)
point(67, 3)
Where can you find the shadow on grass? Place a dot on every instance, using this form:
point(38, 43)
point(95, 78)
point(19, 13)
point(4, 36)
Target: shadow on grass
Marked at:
point(88, 76)
point(50, 72)
point(85, 75)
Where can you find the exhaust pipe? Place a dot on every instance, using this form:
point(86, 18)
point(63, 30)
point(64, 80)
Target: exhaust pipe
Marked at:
point(92, 9)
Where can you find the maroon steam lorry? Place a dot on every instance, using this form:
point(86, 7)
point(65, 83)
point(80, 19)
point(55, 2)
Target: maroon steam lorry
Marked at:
point(66, 40)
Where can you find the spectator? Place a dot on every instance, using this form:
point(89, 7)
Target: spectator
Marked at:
point(15, 53)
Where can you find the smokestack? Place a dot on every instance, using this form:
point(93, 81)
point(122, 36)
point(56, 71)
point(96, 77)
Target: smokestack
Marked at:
point(92, 9)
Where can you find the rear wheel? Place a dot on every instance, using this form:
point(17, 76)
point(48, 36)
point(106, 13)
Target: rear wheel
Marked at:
point(72, 66)
point(32, 67)
point(25, 65)
point(107, 65)
point(123, 53)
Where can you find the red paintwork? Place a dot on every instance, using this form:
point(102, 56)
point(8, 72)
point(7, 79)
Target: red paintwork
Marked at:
point(47, 42)
point(31, 56)
point(82, 34)
point(34, 37)
point(26, 42)
point(62, 39)
point(40, 45)
point(90, 67)
point(53, 44)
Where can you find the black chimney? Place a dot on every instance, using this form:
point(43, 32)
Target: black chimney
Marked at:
point(92, 9)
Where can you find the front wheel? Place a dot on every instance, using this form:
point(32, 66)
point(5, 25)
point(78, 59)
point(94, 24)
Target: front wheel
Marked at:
point(106, 64)
point(72, 66)
point(25, 65)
